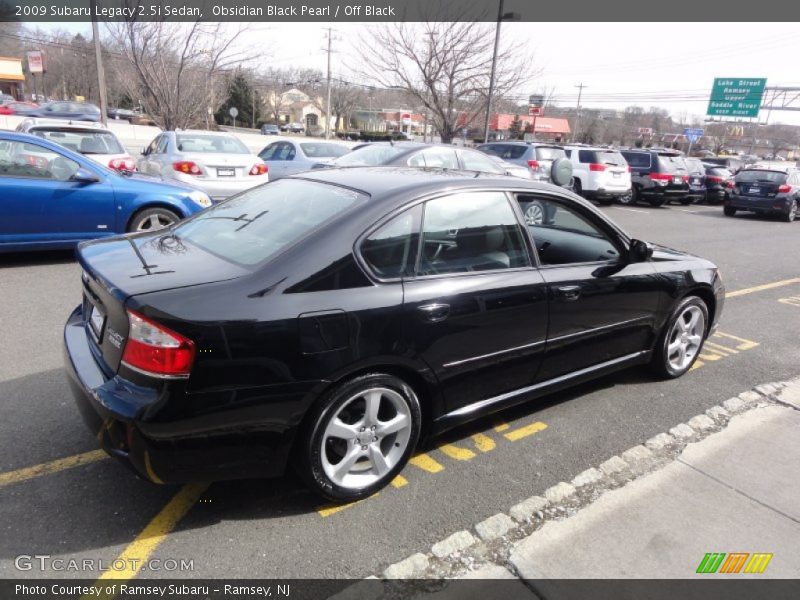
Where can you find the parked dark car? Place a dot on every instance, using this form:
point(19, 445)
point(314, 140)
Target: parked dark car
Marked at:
point(270, 129)
point(765, 191)
point(732, 163)
point(120, 113)
point(718, 181)
point(697, 180)
point(328, 320)
point(657, 176)
point(76, 111)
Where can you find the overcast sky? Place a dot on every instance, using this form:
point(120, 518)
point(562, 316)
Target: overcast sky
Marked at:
point(671, 65)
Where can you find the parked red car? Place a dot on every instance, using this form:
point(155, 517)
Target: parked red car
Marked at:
point(17, 108)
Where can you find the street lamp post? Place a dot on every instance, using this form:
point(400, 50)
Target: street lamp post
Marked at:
point(501, 16)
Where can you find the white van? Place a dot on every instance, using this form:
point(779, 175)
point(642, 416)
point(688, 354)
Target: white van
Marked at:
point(600, 174)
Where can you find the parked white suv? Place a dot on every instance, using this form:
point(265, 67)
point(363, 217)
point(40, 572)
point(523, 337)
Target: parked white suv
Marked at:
point(600, 174)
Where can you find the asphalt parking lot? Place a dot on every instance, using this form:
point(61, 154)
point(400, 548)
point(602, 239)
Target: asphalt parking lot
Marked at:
point(63, 498)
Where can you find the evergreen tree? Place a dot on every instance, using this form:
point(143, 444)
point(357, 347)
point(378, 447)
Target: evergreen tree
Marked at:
point(240, 95)
point(515, 128)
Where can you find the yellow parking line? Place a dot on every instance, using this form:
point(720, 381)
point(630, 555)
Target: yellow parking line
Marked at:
point(426, 463)
point(744, 345)
point(791, 300)
point(761, 288)
point(720, 349)
point(155, 532)
point(710, 356)
point(332, 509)
point(483, 442)
point(501, 427)
point(54, 466)
point(457, 453)
point(399, 481)
point(697, 364)
point(522, 432)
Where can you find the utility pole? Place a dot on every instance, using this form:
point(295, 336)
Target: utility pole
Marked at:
point(101, 74)
point(491, 73)
point(328, 103)
point(578, 112)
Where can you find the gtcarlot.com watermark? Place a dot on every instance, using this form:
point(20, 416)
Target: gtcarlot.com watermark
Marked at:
point(45, 562)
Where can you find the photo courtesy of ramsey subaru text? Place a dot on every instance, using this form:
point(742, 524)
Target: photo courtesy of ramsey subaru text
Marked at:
point(330, 320)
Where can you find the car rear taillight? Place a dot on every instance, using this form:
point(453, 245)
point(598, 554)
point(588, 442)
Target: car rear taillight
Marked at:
point(630, 169)
point(713, 179)
point(259, 169)
point(730, 183)
point(784, 188)
point(533, 164)
point(187, 166)
point(596, 167)
point(685, 178)
point(660, 176)
point(155, 350)
point(122, 164)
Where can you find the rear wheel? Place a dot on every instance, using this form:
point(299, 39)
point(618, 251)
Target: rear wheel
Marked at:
point(729, 211)
point(630, 198)
point(656, 202)
point(359, 437)
point(682, 339)
point(791, 214)
point(152, 219)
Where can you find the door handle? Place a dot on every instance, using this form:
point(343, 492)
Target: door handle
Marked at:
point(433, 313)
point(569, 293)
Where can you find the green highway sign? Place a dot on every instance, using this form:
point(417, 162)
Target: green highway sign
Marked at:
point(736, 97)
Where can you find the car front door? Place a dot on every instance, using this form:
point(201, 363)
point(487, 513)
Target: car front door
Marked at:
point(475, 310)
point(602, 307)
point(40, 201)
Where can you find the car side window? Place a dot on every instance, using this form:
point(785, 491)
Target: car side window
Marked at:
point(562, 235)
point(475, 161)
point(29, 161)
point(161, 147)
point(152, 147)
point(269, 152)
point(471, 232)
point(284, 152)
point(391, 250)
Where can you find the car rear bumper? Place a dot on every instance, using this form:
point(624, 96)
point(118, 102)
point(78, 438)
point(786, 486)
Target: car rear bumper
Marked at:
point(179, 451)
point(220, 189)
point(778, 204)
point(606, 192)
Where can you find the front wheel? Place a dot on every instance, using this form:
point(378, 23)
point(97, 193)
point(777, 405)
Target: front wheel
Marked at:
point(682, 339)
point(152, 219)
point(359, 437)
point(729, 211)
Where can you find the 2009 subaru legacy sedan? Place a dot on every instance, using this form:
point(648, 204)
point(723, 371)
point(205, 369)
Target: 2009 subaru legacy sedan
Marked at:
point(329, 319)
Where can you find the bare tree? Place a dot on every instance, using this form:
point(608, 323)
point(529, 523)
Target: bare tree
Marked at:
point(444, 67)
point(345, 98)
point(275, 82)
point(175, 68)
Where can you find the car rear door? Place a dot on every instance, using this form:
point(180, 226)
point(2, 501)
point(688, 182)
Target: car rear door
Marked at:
point(602, 308)
point(475, 309)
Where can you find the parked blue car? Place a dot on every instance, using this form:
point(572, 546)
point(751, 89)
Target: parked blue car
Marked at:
point(52, 197)
point(61, 109)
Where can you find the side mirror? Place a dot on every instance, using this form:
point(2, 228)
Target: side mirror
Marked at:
point(639, 251)
point(84, 176)
point(561, 171)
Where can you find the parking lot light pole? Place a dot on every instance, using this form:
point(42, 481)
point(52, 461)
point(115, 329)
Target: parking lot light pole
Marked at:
point(101, 75)
point(501, 16)
point(328, 103)
point(578, 111)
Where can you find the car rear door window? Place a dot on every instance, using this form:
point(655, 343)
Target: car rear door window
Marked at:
point(471, 232)
point(391, 250)
point(269, 152)
point(475, 161)
point(161, 147)
point(563, 235)
point(435, 158)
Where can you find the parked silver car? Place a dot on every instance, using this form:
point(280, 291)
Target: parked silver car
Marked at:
point(536, 157)
point(287, 157)
point(217, 163)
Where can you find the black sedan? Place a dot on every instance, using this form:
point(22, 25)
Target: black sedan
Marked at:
point(330, 319)
point(718, 180)
point(765, 191)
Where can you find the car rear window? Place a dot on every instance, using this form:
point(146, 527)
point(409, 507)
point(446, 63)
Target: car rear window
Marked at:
point(718, 172)
point(369, 156)
point(671, 164)
point(694, 165)
point(85, 142)
point(263, 221)
point(765, 176)
point(601, 157)
point(212, 144)
point(638, 159)
point(324, 150)
point(545, 153)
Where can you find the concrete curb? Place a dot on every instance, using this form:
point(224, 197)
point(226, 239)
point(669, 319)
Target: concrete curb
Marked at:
point(500, 531)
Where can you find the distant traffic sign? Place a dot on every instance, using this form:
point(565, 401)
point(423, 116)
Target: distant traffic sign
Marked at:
point(645, 131)
point(693, 134)
point(735, 97)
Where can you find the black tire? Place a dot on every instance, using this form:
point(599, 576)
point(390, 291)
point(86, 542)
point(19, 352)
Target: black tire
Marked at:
point(577, 187)
point(145, 220)
point(631, 198)
point(686, 201)
point(729, 211)
point(659, 364)
point(605, 201)
point(308, 459)
point(791, 214)
point(657, 202)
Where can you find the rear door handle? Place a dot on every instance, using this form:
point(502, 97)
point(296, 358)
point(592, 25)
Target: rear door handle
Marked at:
point(433, 313)
point(569, 292)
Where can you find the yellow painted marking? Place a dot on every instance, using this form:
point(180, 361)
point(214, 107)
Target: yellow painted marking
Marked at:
point(522, 432)
point(792, 300)
point(761, 288)
point(399, 481)
point(332, 509)
point(744, 345)
point(501, 427)
point(710, 357)
point(426, 463)
point(457, 453)
point(483, 442)
point(720, 349)
point(156, 531)
point(697, 364)
point(149, 468)
point(54, 466)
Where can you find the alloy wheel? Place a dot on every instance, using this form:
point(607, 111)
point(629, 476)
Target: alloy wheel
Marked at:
point(686, 338)
point(155, 221)
point(366, 438)
point(534, 214)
